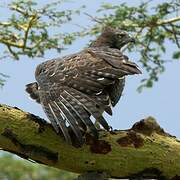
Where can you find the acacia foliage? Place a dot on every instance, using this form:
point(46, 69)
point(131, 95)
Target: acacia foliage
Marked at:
point(30, 28)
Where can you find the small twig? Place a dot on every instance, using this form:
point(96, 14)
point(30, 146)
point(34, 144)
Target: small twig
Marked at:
point(94, 18)
point(82, 27)
point(27, 30)
point(168, 30)
point(5, 23)
point(19, 10)
point(175, 35)
point(173, 31)
point(12, 52)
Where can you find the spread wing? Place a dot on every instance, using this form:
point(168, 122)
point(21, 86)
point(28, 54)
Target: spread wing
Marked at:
point(67, 106)
point(76, 88)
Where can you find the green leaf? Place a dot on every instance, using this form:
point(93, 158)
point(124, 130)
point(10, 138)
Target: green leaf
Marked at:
point(176, 55)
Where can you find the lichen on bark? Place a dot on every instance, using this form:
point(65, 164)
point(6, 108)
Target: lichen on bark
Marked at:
point(145, 150)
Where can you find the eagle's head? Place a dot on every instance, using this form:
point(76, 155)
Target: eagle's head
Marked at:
point(113, 37)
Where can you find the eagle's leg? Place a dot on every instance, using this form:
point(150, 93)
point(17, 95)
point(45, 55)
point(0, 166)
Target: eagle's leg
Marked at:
point(93, 176)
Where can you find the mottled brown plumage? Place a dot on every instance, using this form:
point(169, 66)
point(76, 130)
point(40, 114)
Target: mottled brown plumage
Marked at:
point(74, 88)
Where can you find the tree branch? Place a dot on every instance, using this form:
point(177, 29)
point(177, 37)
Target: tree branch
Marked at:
point(10, 43)
point(4, 24)
point(168, 21)
point(29, 26)
point(144, 150)
point(19, 10)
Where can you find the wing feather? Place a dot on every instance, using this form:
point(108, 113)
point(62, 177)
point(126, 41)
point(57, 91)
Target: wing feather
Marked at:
point(99, 79)
point(115, 59)
point(82, 113)
point(70, 119)
point(59, 120)
point(74, 112)
point(91, 106)
point(50, 116)
point(85, 85)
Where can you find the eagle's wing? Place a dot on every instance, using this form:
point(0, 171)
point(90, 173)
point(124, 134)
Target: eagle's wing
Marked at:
point(116, 59)
point(121, 66)
point(66, 105)
point(72, 90)
point(61, 109)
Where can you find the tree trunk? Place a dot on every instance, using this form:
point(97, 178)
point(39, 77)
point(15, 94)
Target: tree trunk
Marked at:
point(145, 150)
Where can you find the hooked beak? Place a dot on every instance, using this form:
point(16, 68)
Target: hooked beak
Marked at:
point(126, 41)
point(131, 39)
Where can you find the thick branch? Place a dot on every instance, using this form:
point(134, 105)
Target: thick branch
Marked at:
point(144, 150)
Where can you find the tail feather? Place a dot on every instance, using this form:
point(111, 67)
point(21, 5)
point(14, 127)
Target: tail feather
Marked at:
point(32, 89)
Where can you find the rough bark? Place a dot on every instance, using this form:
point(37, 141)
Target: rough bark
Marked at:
point(145, 150)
